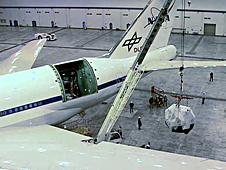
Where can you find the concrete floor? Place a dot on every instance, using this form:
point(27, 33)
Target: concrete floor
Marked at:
point(207, 139)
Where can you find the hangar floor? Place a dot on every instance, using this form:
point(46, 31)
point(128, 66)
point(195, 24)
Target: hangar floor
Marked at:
point(207, 139)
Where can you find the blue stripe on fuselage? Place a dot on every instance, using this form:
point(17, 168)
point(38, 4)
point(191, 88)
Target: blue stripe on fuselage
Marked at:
point(116, 81)
point(111, 83)
point(30, 106)
point(53, 99)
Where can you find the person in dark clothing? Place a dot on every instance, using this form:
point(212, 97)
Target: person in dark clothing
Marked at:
point(165, 99)
point(120, 131)
point(139, 123)
point(153, 89)
point(52, 24)
point(181, 68)
point(151, 100)
point(131, 105)
point(211, 76)
point(203, 97)
point(157, 101)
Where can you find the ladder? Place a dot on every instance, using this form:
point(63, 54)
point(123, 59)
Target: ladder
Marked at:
point(133, 77)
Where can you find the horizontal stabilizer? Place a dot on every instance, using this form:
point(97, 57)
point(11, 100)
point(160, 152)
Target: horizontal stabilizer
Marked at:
point(163, 65)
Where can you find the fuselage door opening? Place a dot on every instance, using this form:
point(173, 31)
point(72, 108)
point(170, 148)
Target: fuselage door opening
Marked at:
point(78, 79)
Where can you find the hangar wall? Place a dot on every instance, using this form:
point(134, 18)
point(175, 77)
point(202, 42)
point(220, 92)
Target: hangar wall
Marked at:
point(65, 17)
point(73, 3)
point(196, 22)
point(114, 14)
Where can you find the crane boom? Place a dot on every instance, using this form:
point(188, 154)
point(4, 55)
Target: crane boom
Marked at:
point(133, 76)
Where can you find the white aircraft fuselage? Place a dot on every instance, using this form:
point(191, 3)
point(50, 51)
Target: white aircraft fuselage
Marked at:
point(54, 93)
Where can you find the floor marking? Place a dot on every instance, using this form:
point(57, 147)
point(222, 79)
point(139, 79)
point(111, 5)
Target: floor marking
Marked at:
point(192, 51)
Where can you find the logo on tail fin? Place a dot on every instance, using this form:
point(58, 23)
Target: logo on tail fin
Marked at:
point(154, 14)
point(130, 42)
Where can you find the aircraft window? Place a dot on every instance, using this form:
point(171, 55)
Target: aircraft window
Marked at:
point(25, 107)
point(4, 112)
point(30, 105)
point(16, 109)
point(35, 104)
point(39, 103)
point(10, 111)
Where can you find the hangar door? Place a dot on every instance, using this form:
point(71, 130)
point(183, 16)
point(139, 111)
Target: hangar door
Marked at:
point(209, 29)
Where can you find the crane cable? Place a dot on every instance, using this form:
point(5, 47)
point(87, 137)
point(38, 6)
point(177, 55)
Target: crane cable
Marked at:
point(182, 45)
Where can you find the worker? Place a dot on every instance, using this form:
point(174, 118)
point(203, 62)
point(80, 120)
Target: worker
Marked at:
point(165, 99)
point(161, 101)
point(157, 101)
point(120, 131)
point(52, 24)
point(211, 76)
point(153, 89)
point(131, 105)
point(151, 100)
point(203, 97)
point(139, 123)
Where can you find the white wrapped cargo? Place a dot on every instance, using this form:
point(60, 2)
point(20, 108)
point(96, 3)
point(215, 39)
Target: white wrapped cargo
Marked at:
point(179, 116)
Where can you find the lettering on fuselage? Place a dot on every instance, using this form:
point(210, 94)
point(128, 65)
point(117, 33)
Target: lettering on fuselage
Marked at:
point(137, 49)
point(154, 14)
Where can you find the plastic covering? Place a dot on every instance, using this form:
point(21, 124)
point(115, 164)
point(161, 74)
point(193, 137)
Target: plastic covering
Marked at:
point(179, 117)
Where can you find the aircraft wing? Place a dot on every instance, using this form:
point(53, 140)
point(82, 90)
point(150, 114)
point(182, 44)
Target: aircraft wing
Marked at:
point(47, 147)
point(165, 65)
point(23, 59)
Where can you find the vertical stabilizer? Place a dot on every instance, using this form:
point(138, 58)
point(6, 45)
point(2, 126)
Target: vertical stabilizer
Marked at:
point(133, 39)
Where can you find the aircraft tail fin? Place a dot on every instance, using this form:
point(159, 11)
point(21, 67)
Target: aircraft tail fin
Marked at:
point(132, 40)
